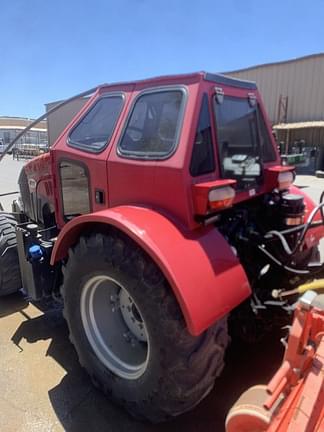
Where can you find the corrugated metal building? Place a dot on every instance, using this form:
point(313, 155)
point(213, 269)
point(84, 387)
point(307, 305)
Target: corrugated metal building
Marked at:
point(293, 93)
point(58, 121)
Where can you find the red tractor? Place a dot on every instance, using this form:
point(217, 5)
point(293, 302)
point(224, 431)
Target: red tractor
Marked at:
point(161, 219)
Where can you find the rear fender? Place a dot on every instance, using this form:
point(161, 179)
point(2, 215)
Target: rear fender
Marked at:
point(200, 266)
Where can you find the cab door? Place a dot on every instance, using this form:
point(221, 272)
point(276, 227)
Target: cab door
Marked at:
point(79, 157)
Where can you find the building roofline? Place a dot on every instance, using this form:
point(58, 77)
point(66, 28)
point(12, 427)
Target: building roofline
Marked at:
point(299, 125)
point(17, 118)
point(35, 129)
point(306, 57)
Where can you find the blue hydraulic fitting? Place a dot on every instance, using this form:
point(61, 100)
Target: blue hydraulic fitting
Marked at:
point(35, 253)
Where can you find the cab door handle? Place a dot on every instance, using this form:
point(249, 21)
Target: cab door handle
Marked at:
point(99, 196)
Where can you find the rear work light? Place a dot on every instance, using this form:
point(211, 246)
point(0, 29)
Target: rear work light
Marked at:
point(213, 196)
point(279, 177)
point(285, 180)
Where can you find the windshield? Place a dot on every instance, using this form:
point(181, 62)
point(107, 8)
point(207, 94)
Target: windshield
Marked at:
point(242, 140)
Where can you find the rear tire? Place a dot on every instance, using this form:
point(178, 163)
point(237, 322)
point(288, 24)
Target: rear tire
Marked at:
point(175, 370)
point(10, 280)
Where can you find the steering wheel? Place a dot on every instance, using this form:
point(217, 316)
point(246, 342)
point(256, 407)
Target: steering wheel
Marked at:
point(135, 133)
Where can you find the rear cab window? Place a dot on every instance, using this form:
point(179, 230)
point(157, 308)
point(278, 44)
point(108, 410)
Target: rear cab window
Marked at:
point(202, 158)
point(243, 141)
point(94, 130)
point(153, 126)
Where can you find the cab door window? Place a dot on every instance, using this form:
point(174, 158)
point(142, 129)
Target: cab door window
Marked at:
point(153, 127)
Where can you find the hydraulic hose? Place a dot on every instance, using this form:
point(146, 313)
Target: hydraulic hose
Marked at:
point(306, 227)
point(320, 201)
point(281, 237)
point(280, 264)
point(46, 115)
point(316, 285)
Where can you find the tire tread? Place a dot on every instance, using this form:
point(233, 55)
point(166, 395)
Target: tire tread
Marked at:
point(10, 279)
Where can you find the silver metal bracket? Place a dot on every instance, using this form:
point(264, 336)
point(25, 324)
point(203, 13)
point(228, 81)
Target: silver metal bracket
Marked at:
point(219, 95)
point(252, 99)
point(307, 299)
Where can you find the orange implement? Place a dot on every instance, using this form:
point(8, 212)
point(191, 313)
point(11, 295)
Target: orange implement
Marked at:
point(293, 401)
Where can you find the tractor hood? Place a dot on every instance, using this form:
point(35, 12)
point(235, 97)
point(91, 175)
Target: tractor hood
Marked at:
point(36, 189)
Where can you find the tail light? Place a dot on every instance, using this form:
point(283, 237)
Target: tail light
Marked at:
point(221, 198)
point(213, 196)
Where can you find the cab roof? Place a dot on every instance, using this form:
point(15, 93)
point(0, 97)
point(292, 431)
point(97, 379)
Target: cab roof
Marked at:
point(195, 76)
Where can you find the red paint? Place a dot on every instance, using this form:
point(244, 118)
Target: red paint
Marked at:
point(208, 281)
point(39, 171)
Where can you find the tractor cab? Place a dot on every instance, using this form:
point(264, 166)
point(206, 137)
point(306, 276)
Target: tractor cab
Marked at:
point(136, 142)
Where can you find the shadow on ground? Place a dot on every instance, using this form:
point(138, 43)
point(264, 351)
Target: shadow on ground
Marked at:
point(80, 407)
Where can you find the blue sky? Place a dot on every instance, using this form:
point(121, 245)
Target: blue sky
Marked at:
point(50, 50)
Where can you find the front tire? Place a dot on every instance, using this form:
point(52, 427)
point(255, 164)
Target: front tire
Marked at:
point(10, 280)
point(143, 359)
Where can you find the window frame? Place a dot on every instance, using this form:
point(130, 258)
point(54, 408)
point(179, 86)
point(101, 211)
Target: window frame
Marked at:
point(147, 156)
point(215, 103)
point(84, 148)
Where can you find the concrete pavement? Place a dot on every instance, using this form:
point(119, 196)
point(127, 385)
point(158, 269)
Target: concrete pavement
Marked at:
point(313, 185)
point(9, 172)
point(43, 387)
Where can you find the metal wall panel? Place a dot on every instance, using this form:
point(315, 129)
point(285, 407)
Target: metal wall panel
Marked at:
point(57, 121)
point(302, 80)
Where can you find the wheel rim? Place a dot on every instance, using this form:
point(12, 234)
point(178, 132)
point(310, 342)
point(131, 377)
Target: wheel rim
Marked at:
point(114, 327)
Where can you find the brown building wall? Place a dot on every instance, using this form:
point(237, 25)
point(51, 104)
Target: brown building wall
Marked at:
point(57, 121)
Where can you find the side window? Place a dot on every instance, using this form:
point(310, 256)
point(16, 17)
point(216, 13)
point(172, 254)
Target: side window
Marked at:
point(94, 131)
point(202, 159)
point(153, 127)
point(267, 150)
point(75, 189)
